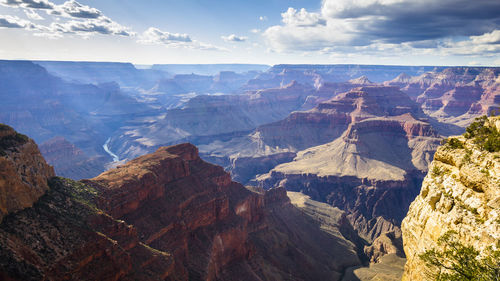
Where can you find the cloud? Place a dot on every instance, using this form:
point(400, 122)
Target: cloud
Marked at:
point(487, 38)
point(262, 18)
point(155, 36)
point(255, 30)
point(7, 21)
point(176, 40)
point(103, 26)
point(83, 20)
point(76, 10)
point(418, 24)
point(31, 14)
point(302, 18)
point(234, 38)
point(34, 4)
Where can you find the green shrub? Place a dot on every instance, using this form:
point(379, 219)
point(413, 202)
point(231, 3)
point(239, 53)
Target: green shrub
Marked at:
point(455, 143)
point(459, 262)
point(486, 137)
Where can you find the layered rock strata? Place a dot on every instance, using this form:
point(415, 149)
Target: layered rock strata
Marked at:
point(215, 228)
point(460, 193)
point(23, 172)
point(377, 160)
point(166, 216)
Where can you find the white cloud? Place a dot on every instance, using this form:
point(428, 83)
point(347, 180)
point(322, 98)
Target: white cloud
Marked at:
point(487, 38)
point(31, 14)
point(92, 26)
point(234, 38)
point(255, 30)
point(7, 21)
point(34, 4)
point(73, 9)
point(155, 36)
point(83, 20)
point(302, 18)
point(176, 40)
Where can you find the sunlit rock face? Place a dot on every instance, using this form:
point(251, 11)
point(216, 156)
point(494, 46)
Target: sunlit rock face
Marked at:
point(461, 193)
point(23, 172)
point(372, 169)
point(213, 226)
point(454, 95)
point(164, 216)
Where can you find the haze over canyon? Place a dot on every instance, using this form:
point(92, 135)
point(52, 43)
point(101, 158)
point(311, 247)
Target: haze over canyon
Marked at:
point(330, 158)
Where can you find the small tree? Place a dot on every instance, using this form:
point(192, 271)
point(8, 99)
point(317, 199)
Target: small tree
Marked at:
point(457, 262)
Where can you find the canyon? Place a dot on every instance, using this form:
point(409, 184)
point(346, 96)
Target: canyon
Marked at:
point(163, 216)
point(328, 157)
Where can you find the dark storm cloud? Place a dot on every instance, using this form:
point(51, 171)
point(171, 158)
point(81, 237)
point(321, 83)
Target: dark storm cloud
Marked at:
point(408, 21)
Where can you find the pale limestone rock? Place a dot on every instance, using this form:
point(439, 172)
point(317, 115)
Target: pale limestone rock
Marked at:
point(461, 192)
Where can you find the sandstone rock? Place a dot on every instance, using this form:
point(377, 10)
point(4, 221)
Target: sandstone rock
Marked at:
point(167, 216)
point(65, 237)
point(69, 161)
point(23, 172)
point(454, 95)
point(215, 228)
point(378, 158)
point(460, 193)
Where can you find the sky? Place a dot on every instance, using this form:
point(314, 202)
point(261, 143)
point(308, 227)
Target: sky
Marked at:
point(390, 32)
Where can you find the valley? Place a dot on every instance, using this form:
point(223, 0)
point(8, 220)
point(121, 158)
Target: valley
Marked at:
point(349, 144)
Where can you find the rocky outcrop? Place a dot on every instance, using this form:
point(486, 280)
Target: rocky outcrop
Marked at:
point(378, 158)
point(23, 172)
point(69, 161)
point(454, 95)
point(211, 116)
point(460, 193)
point(64, 236)
point(330, 119)
point(168, 216)
point(215, 228)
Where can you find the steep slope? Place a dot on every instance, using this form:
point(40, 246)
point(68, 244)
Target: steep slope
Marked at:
point(454, 95)
point(215, 228)
point(460, 193)
point(165, 216)
point(65, 237)
point(44, 106)
point(52, 230)
point(379, 156)
point(277, 142)
point(206, 118)
point(316, 75)
point(69, 161)
point(23, 172)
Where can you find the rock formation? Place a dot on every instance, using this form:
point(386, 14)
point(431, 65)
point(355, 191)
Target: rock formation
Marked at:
point(165, 216)
point(23, 172)
point(377, 157)
point(454, 95)
point(69, 161)
point(460, 193)
point(214, 228)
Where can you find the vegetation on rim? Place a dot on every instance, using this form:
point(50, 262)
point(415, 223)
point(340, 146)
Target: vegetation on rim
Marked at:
point(457, 262)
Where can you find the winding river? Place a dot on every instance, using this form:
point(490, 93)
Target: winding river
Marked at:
point(106, 148)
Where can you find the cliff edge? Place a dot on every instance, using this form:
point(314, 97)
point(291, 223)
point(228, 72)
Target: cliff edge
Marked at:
point(461, 193)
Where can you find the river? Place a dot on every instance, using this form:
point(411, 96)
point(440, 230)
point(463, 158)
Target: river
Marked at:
point(106, 148)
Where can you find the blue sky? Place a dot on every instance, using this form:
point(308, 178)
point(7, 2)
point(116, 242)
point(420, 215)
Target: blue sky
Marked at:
point(406, 32)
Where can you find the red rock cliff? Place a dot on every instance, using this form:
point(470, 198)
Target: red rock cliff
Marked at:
point(23, 172)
